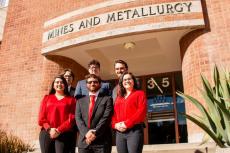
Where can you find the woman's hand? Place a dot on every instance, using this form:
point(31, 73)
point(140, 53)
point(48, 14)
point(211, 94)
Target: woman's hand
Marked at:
point(120, 126)
point(54, 133)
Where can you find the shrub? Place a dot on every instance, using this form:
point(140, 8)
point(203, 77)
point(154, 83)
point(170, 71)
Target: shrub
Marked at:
point(12, 144)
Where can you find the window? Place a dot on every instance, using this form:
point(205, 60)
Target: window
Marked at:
point(4, 3)
point(3, 11)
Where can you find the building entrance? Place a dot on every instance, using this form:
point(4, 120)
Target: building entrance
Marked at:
point(164, 123)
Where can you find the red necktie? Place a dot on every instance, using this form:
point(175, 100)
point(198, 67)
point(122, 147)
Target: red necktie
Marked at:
point(91, 105)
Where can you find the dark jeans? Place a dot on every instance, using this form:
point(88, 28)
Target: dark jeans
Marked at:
point(64, 143)
point(130, 141)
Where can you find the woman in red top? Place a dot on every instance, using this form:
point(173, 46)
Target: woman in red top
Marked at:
point(129, 115)
point(56, 118)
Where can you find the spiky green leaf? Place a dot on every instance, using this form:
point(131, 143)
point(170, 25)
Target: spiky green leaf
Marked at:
point(207, 130)
point(201, 108)
point(214, 114)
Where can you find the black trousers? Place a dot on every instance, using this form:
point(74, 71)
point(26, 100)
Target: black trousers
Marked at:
point(64, 143)
point(95, 149)
point(130, 141)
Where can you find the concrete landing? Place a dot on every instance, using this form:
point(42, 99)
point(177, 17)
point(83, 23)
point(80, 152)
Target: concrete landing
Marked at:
point(180, 148)
point(172, 148)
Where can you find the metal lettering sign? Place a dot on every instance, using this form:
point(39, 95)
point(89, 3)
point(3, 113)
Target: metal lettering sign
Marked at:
point(124, 15)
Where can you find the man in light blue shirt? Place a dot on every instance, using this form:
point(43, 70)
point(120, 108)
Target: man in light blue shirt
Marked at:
point(81, 88)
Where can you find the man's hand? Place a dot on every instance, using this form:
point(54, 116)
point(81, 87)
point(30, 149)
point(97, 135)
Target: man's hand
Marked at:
point(90, 136)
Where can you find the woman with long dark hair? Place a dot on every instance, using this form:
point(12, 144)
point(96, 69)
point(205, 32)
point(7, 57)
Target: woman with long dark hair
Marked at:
point(129, 115)
point(56, 118)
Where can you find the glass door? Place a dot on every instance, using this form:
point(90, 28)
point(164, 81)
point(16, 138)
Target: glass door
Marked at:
point(164, 123)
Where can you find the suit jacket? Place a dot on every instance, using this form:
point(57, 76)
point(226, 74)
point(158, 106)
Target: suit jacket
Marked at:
point(81, 89)
point(72, 91)
point(100, 120)
point(114, 93)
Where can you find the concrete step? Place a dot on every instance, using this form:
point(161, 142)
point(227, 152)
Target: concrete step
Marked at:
point(172, 148)
point(180, 148)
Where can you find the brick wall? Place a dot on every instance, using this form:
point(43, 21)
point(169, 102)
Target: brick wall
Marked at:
point(26, 75)
point(201, 49)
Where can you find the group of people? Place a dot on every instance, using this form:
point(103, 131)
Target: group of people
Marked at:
point(91, 111)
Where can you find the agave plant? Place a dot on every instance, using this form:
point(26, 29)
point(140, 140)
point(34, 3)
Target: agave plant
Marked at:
point(215, 112)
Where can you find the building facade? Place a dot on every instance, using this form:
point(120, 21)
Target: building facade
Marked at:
point(167, 44)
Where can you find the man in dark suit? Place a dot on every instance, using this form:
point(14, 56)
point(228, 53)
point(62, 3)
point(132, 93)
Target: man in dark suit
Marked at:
point(69, 77)
point(93, 117)
point(81, 89)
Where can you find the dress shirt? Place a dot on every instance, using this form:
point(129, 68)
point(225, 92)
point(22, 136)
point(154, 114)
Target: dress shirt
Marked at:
point(82, 91)
point(95, 94)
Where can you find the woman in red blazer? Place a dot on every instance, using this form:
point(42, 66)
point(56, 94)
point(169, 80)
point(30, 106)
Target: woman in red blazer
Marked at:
point(56, 118)
point(129, 115)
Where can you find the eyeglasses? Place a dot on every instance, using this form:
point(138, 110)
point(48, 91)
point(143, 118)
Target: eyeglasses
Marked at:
point(94, 67)
point(90, 82)
point(67, 76)
point(127, 79)
point(58, 82)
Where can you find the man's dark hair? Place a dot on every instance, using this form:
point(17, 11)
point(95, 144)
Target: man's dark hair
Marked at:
point(93, 76)
point(122, 90)
point(52, 90)
point(94, 62)
point(68, 70)
point(122, 62)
